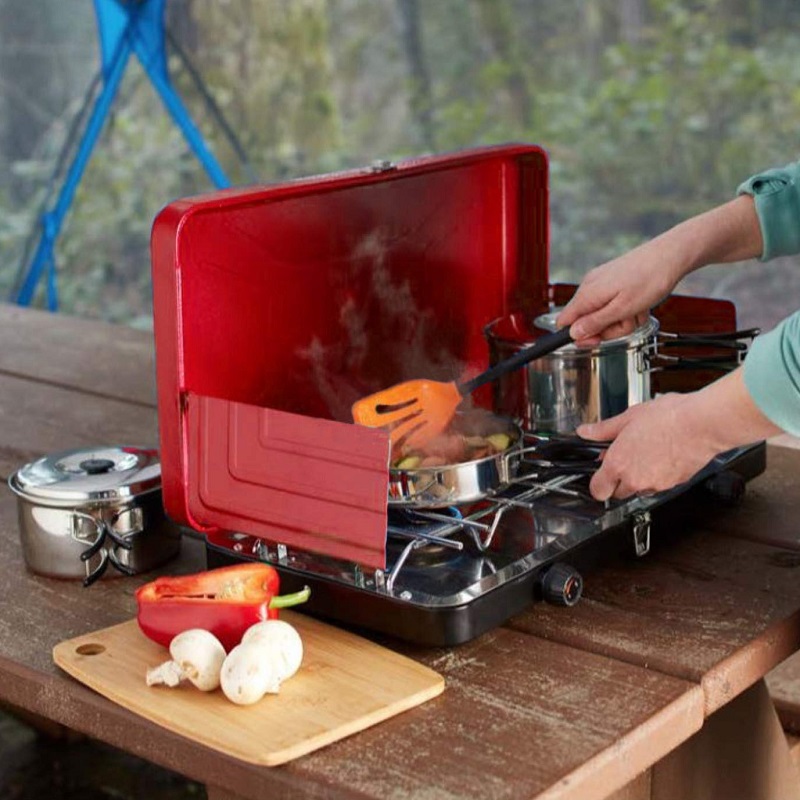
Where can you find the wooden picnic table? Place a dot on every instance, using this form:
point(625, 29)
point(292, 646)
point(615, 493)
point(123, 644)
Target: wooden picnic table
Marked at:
point(651, 688)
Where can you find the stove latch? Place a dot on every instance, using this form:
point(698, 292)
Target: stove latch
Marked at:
point(382, 165)
point(641, 533)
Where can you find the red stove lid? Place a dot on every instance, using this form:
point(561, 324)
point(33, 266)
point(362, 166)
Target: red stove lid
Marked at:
point(276, 307)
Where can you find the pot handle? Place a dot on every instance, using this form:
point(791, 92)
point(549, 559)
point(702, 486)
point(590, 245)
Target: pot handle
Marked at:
point(726, 365)
point(93, 574)
point(118, 565)
point(731, 340)
point(120, 541)
point(101, 530)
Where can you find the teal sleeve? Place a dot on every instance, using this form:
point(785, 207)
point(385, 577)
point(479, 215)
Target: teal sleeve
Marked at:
point(772, 374)
point(776, 193)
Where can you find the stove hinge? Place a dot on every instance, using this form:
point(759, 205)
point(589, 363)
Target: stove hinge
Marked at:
point(279, 556)
point(641, 533)
point(382, 165)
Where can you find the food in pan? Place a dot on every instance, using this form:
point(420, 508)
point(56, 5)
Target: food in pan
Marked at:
point(453, 448)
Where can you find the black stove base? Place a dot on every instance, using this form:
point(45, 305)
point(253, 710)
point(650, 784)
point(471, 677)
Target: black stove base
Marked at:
point(426, 625)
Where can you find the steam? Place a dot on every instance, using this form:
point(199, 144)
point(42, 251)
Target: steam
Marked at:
point(388, 333)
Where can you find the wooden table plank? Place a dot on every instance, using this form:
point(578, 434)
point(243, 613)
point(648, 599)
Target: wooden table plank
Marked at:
point(771, 511)
point(511, 720)
point(39, 418)
point(467, 743)
point(476, 741)
point(570, 703)
point(498, 731)
point(715, 609)
point(508, 684)
point(102, 359)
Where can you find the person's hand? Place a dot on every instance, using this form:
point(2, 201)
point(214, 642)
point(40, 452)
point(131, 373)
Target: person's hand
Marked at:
point(663, 442)
point(616, 297)
point(655, 447)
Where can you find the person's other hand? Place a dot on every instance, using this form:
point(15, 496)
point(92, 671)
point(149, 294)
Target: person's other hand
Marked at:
point(663, 442)
point(616, 297)
point(655, 447)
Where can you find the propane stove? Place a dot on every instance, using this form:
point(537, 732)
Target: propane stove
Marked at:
point(276, 307)
point(456, 572)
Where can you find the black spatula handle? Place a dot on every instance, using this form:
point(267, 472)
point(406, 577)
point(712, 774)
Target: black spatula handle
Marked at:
point(547, 344)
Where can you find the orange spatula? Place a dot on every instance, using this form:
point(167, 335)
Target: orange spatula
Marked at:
point(414, 412)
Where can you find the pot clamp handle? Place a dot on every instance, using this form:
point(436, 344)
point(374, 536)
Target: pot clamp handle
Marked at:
point(88, 528)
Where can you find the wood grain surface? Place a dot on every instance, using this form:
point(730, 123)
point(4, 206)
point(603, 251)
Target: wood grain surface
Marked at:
point(561, 703)
point(717, 610)
point(93, 357)
point(784, 688)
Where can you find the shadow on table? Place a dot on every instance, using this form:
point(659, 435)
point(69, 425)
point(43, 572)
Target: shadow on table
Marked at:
point(36, 765)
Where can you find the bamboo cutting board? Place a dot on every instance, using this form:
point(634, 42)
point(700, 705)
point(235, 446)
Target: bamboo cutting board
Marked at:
point(344, 685)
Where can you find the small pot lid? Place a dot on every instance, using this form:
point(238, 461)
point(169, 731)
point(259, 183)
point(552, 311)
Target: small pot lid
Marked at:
point(521, 329)
point(547, 322)
point(92, 475)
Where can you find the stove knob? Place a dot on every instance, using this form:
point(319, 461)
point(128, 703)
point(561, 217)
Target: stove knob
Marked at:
point(562, 585)
point(727, 486)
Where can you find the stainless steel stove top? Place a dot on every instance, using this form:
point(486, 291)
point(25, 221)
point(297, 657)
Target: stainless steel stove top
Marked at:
point(454, 572)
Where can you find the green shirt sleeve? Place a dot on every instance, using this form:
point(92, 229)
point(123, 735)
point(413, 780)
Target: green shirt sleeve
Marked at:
point(772, 367)
point(772, 374)
point(776, 193)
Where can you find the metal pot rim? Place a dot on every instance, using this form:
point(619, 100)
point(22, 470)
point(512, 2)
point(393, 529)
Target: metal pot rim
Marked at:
point(523, 330)
point(422, 500)
point(88, 477)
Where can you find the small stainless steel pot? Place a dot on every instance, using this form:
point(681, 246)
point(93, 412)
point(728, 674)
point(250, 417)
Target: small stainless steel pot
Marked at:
point(81, 510)
point(572, 385)
point(465, 482)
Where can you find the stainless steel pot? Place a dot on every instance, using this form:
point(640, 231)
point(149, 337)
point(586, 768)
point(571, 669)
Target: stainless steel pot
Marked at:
point(572, 385)
point(465, 482)
point(83, 510)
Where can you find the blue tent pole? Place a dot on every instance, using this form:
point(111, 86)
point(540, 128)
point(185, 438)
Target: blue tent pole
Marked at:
point(183, 120)
point(53, 220)
point(149, 43)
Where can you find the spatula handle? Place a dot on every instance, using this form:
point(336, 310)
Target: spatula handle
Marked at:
point(547, 344)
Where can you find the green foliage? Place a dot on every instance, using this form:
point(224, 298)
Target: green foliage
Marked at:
point(646, 119)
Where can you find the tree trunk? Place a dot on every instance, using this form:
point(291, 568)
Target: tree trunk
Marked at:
point(497, 19)
point(421, 101)
point(631, 20)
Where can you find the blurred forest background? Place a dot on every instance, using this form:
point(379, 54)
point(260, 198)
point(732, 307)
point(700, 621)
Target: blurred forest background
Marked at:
point(651, 110)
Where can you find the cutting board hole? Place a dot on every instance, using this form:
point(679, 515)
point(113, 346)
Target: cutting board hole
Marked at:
point(90, 649)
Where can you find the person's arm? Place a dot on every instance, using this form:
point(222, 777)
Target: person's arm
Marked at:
point(666, 441)
point(663, 442)
point(613, 297)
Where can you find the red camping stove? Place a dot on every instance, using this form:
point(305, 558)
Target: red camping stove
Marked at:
point(277, 306)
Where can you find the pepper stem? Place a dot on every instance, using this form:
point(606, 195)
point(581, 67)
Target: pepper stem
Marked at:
point(294, 599)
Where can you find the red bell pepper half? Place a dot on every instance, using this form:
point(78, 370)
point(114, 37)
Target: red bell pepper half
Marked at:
point(224, 601)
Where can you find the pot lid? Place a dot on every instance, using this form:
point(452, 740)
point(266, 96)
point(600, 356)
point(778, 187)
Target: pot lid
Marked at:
point(105, 474)
point(521, 329)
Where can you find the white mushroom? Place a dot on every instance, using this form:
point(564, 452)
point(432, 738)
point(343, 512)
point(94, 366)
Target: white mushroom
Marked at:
point(248, 674)
point(197, 655)
point(283, 643)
